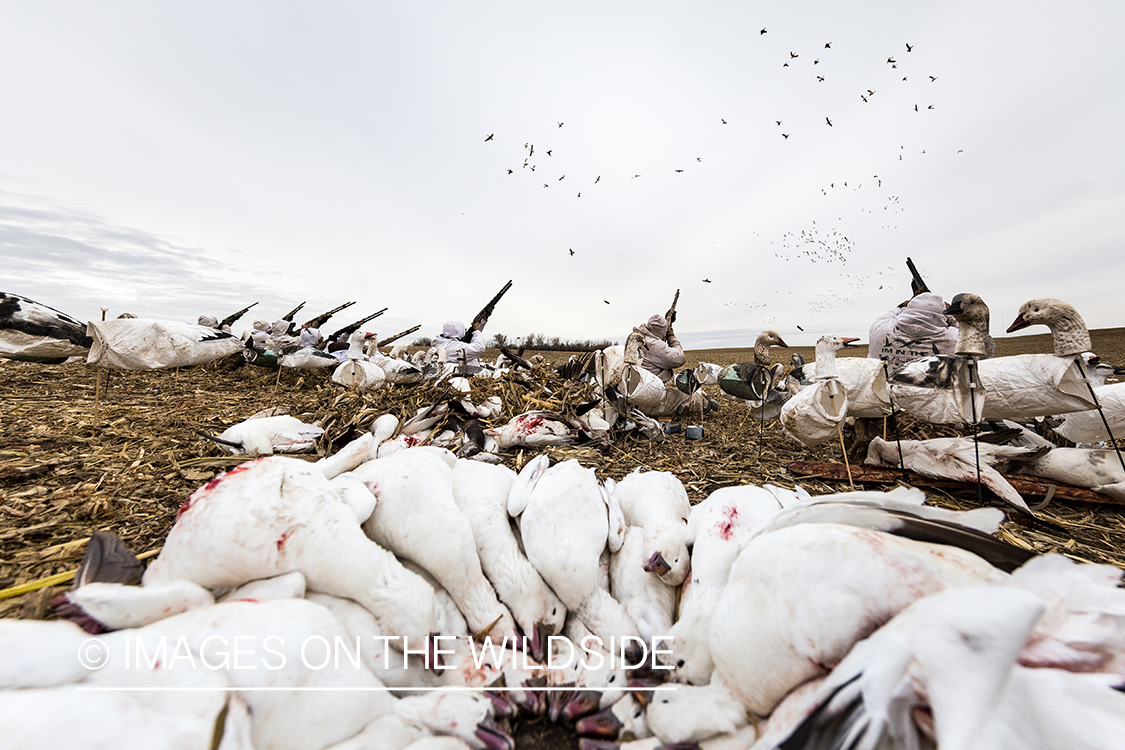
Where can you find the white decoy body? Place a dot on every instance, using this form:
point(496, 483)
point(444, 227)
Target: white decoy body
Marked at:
point(1023, 385)
point(864, 380)
point(813, 416)
point(657, 502)
point(138, 344)
point(719, 526)
point(31, 330)
point(565, 525)
point(798, 598)
point(278, 515)
point(416, 517)
point(266, 435)
point(356, 371)
point(481, 492)
point(307, 358)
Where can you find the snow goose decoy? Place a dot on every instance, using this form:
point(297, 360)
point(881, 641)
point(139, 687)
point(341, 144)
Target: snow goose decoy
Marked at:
point(753, 380)
point(941, 388)
point(1036, 385)
point(33, 332)
point(139, 344)
point(565, 524)
point(657, 502)
point(356, 372)
point(278, 515)
point(791, 609)
point(481, 492)
point(813, 416)
point(864, 379)
point(417, 518)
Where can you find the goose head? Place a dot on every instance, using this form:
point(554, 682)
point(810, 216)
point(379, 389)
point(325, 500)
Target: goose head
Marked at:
point(826, 348)
point(1068, 330)
point(972, 316)
point(762, 345)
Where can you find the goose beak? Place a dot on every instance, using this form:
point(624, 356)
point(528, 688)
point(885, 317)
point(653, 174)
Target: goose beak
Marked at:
point(642, 689)
point(657, 564)
point(557, 700)
point(493, 737)
point(502, 705)
point(1017, 324)
point(539, 643)
point(587, 743)
point(583, 703)
point(848, 341)
point(781, 342)
point(603, 724)
point(954, 307)
point(534, 702)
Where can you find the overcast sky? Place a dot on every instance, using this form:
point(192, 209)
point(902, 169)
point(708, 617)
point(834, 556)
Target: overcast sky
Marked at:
point(173, 159)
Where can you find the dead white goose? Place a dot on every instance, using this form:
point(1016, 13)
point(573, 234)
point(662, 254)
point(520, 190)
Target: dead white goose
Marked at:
point(657, 502)
point(1096, 468)
point(356, 371)
point(955, 458)
point(1088, 427)
point(263, 435)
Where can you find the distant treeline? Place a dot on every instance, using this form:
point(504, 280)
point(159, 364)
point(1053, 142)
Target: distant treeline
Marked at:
point(534, 341)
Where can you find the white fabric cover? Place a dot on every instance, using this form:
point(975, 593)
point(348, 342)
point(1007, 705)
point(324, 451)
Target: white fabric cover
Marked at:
point(642, 388)
point(946, 403)
point(813, 416)
point(1087, 427)
point(609, 363)
point(399, 371)
point(1016, 387)
point(360, 375)
point(140, 344)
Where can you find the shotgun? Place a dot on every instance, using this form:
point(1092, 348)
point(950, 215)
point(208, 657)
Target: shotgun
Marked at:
point(321, 319)
point(349, 330)
point(482, 317)
point(233, 317)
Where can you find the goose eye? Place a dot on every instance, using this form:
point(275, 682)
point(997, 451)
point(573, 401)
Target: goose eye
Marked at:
point(680, 663)
point(664, 700)
point(676, 560)
point(612, 677)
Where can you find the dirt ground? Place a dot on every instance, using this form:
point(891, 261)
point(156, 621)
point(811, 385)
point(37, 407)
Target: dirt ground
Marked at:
point(70, 466)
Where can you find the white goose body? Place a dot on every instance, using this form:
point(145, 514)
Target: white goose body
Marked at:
point(416, 517)
point(565, 526)
point(950, 660)
point(265, 435)
point(117, 606)
point(481, 492)
point(1096, 468)
point(277, 515)
point(1087, 426)
point(953, 458)
point(657, 502)
point(813, 416)
point(797, 599)
point(720, 526)
point(534, 429)
point(650, 602)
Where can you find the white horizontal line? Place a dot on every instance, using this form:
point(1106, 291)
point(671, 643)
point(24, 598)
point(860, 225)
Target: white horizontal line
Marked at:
point(383, 689)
